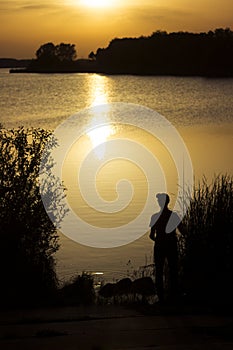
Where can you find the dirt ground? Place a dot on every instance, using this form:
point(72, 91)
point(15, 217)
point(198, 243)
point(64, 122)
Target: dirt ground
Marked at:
point(113, 327)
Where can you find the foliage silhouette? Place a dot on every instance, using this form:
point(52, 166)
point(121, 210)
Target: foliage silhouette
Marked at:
point(47, 54)
point(207, 247)
point(79, 291)
point(50, 57)
point(28, 238)
point(162, 53)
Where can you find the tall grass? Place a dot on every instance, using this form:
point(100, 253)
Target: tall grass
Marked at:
point(207, 244)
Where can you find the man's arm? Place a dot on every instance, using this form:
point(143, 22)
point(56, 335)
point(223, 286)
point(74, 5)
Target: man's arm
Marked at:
point(152, 233)
point(153, 220)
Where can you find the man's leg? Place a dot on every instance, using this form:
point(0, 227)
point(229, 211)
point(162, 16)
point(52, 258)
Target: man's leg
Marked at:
point(159, 266)
point(172, 258)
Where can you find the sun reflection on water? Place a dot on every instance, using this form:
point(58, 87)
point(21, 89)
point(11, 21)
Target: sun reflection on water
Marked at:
point(100, 128)
point(98, 136)
point(99, 93)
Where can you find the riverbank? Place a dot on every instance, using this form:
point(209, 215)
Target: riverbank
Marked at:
point(95, 69)
point(78, 66)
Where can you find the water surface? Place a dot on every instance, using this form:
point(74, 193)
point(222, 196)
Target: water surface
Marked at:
point(201, 109)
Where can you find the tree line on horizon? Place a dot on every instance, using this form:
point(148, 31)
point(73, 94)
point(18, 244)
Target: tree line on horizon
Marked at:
point(161, 53)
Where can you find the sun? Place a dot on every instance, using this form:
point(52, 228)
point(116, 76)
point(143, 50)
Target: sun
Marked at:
point(97, 3)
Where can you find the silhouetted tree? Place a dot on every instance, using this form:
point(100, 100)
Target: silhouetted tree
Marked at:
point(53, 58)
point(59, 53)
point(91, 55)
point(47, 53)
point(65, 52)
point(28, 239)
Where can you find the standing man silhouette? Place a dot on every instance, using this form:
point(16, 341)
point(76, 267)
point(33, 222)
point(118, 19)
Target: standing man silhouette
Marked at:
point(163, 232)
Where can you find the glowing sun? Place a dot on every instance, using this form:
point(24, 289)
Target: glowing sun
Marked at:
point(97, 3)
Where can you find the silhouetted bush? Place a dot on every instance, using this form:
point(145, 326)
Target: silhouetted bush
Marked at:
point(28, 239)
point(80, 291)
point(126, 291)
point(207, 261)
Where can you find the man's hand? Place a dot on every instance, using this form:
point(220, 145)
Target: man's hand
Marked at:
point(152, 233)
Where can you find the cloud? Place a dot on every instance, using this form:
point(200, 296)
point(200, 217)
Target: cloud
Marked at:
point(37, 7)
point(149, 13)
point(22, 5)
point(144, 20)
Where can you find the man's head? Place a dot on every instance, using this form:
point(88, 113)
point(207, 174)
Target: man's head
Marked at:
point(163, 199)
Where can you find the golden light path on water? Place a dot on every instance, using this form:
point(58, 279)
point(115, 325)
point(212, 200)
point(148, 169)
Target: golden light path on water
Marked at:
point(99, 90)
point(99, 134)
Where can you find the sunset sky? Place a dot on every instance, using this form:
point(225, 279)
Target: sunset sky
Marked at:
point(25, 25)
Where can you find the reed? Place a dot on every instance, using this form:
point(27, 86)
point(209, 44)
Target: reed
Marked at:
point(206, 265)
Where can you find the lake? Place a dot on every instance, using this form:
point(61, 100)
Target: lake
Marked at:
point(200, 109)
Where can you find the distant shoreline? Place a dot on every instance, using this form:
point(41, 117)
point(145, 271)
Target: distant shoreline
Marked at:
point(26, 71)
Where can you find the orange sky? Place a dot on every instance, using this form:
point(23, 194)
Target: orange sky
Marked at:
point(25, 25)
